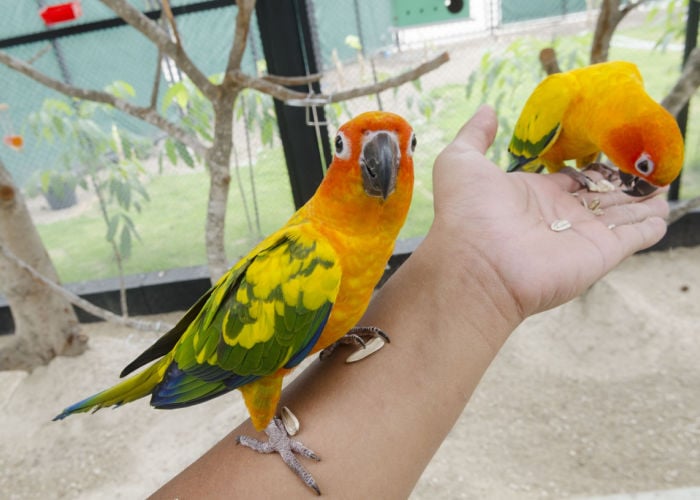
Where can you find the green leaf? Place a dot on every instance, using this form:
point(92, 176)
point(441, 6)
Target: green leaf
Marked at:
point(353, 41)
point(122, 193)
point(267, 132)
point(121, 89)
point(171, 151)
point(112, 226)
point(184, 154)
point(417, 84)
point(125, 242)
point(177, 93)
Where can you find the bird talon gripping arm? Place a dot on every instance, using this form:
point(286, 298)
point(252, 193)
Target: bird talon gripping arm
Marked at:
point(295, 293)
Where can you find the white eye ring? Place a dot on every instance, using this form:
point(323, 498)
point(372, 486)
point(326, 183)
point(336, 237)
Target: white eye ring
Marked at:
point(342, 146)
point(412, 144)
point(644, 165)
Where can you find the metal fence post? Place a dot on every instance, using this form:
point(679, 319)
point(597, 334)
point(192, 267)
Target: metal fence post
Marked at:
point(691, 40)
point(286, 36)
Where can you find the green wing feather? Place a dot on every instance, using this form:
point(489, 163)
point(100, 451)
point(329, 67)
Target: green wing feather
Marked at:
point(261, 317)
point(539, 124)
point(266, 313)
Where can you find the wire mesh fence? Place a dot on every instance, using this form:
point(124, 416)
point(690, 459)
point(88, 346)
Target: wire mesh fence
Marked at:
point(493, 47)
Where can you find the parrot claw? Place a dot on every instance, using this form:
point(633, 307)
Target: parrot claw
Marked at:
point(280, 442)
point(602, 186)
point(356, 335)
point(609, 173)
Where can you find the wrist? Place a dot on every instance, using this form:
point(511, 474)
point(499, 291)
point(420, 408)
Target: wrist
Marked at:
point(468, 287)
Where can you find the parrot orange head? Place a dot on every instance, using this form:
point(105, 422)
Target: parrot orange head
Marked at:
point(372, 166)
point(648, 151)
point(378, 146)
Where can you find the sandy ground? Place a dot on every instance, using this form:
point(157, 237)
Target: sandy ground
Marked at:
point(597, 397)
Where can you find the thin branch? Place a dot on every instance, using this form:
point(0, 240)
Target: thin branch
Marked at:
point(627, 8)
point(292, 81)
point(609, 17)
point(156, 81)
point(39, 54)
point(284, 94)
point(162, 40)
point(104, 314)
point(171, 19)
point(240, 36)
point(147, 114)
point(548, 60)
point(685, 87)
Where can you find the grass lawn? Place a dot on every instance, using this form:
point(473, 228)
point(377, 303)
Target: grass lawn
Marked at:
point(171, 225)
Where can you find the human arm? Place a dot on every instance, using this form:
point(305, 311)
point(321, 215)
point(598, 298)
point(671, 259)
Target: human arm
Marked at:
point(489, 260)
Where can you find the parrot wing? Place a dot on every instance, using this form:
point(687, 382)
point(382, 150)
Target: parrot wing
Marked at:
point(265, 314)
point(540, 121)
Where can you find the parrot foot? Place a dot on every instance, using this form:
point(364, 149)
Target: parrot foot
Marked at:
point(602, 186)
point(356, 335)
point(609, 173)
point(280, 442)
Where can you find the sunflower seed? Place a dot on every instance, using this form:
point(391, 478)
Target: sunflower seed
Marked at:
point(370, 348)
point(560, 225)
point(290, 421)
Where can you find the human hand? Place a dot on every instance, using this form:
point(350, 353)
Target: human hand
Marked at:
point(496, 226)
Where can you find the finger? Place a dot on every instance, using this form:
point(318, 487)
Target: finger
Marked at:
point(633, 213)
point(640, 235)
point(478, 133)
point(595, 201)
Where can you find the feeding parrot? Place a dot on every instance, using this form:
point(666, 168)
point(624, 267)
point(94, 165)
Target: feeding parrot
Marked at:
point(599, 108)
point(299, 291)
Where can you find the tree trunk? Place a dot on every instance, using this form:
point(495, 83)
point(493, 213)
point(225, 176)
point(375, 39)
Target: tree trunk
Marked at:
point(218, 161)
point(45, 323)
point(611, 13)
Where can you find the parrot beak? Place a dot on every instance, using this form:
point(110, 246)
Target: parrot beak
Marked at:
point(635, 186)
point(380, 164)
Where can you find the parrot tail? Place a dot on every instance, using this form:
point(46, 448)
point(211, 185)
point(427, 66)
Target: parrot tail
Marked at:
point(131, 389)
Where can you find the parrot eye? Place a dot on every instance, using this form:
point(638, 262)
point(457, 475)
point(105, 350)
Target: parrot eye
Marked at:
point(644, 164)
point(414, 142)
point(342, 147)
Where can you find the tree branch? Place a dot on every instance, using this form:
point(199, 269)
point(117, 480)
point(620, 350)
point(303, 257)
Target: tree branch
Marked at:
point(284, 94)
point(162, 40)
point(171, 20)
point(293, 81)
point(156, 82)
point(104, 314)
point(626, 9)
point(548, 60)
point(609, 17)
point(685, 87)
point(147, 114)
point(240, 36)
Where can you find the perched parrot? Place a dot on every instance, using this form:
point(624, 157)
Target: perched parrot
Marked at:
point(299, 291)
point(598, 108)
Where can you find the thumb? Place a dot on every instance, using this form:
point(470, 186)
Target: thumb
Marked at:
point(479, 132)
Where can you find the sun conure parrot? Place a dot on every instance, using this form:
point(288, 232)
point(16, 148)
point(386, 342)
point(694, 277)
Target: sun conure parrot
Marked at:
point(602, 107)
point(297, 292)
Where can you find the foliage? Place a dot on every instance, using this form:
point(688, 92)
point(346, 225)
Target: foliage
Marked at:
point(505, 79)
point(170, 225)
point(109, 162)
point(672, 15)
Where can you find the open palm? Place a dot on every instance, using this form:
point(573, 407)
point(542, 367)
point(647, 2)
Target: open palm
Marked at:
point(505, 219)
